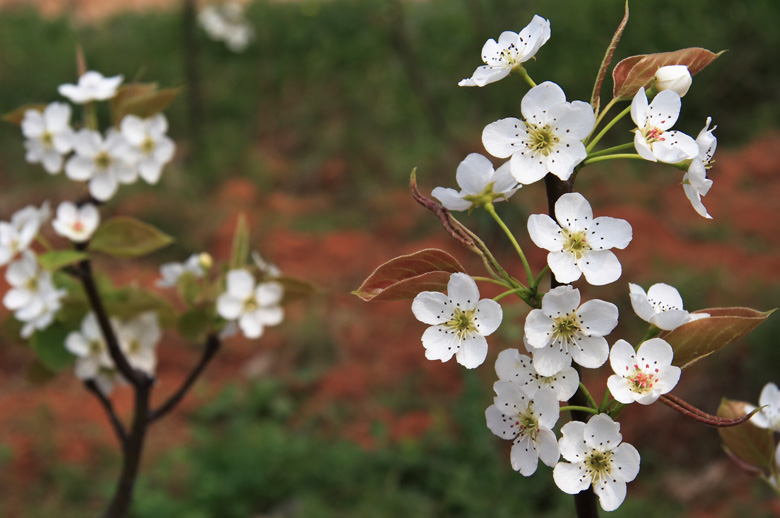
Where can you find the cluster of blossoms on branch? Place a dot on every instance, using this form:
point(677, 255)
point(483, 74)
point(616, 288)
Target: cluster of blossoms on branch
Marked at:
point(554, 140)
point(227, 22)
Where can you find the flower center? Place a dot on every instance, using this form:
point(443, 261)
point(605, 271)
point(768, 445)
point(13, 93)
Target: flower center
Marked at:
point(251, 305)
point(542, 139)
point(566, 328)
point(462, 322)
point(528, 423)
point(148, 145)
point(599, 464)
point(47, 139)
point(78, 226)
point(103, 160)
point(31, 284)
point(654, 134)
point(575, 242)
point(95, 347)
point(508, 55)
point(134, 346)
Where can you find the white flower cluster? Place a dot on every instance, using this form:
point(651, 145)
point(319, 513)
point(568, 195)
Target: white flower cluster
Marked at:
point(138, 147)
point(137, 338)
point(227, 22)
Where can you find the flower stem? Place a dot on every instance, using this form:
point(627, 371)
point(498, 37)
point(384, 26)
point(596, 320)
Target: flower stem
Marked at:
point(540, 276)
point(591, 401)
point(523, 293)
point(593, 160)
point(608, 107)
point(489, 279)
point(523, 73)
point(605, 401)
point(614, 149)
point(44, 243)
point(606, 128)
point(652, 332)
point(492, 211)
point(578, 408)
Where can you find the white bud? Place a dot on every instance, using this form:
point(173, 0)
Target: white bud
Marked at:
point(673, 77)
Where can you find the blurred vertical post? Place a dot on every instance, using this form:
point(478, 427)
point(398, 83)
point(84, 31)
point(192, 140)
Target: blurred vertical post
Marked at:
point(191, 63)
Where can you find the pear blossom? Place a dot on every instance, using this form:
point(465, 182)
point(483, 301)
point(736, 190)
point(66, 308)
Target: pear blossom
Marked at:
point(92, 86)
point(479, 183)
point(227, 22)
point(578, 243)
point(642, 375)
point(150, 147)
point(549, 140)
point(138, 339)
point(76, 223)
point(93, 359)
point(661, 306)
point(527, 420)
point(695, 182)
point(563, 330)
point(459, 321)
point(17, 235)
point(49, 136)
point(33, 297)
point(595, 456)
point(769, 415)
point(172, 272)
point(676, 78)
point(269, 270)
point(510, 51)
point(652, 140)
point(102, 162)
point(253, 305)
point(519, 368)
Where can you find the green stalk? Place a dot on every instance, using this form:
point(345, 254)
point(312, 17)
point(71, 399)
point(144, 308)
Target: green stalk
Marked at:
point(606, 128)
point(630, 156)
point(492, 211)
point(523, 73)
point(615, 149)
point(587, 409)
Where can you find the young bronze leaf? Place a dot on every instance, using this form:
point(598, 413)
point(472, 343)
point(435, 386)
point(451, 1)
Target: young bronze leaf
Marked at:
point(125, 94)
point(752, 445)
point(294, 289)
point(695, 340)
point(15, 117)
point(595, 98)
point(147, 104)
point(128, 237)
point(404, 277)
point(634, 72)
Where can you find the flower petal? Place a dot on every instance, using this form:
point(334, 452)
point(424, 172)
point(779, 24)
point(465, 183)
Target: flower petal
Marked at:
point(474, 173)
point(504, 137)
point(440, 343)
point(432, 308)
point(473, 351)
point(600, 267)
point(462, 291)
point(599, 317)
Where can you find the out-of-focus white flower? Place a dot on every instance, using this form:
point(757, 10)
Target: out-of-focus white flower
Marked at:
point(459, 321)
point(253, 305)
point(676, 78)
point(268, 269)
point(549, 140)
point(651, 139)
point(227, 22)
point(151, 148)
point(479, 183)
point(16, 235)
point(563, 330)
point(33, 297)
point(527, 420)
point(92, 86)
point(102, 162)
point(661, 306)
point(695, 182)
point(519, 368)
point(49, 136)
point(596, 456)
point(769, 416)
point(642, 376)
point(76, 223)
point(138, 339)
point(579, 244)
point(511, 49)
point(171, 272)
point(94, 361)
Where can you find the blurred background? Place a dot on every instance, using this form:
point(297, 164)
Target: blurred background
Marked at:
point(312, 132)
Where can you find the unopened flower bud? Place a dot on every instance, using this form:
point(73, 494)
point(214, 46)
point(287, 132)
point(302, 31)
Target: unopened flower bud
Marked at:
point(205, 261)
point(675, 78)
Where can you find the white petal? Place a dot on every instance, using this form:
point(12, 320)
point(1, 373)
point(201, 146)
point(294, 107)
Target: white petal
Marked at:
point(539, 99)
point(486, 74)
point(600, 267)
point(432, 308)
point(674, 147)
point(500, 424)
point(57, 116)
point(229, 307)
point(627, 459)
point(598, 316)
point(561, 300)
point(618, 387)
point(592, 352)
point(440, 343)
point(450, 199)
point(664, 110)
point(602, 433)
point(537, 329)
point(473, 351)
point(134, 129)
point(250, 326)
point(573, 212)
point(524, 456)
point(503, 137)
point(488, 316)
point(550, 360)
point(240, 284)
point(527, 168)
point(545, 406)
point(770, 396)
point(643, 147)
point(622, 357)
point(607, 232)
point(103, 186)
point(570, 444)
point(33, 124)
point(564, 156)
point(639, 108)
point(564, 267)
point(547, 445)
point(639, 302)
point(79, 168)
point(611, 494)
point(511, 365)
point(571, 478)
point(474, 173)
point(269, 293)
point(462, 291)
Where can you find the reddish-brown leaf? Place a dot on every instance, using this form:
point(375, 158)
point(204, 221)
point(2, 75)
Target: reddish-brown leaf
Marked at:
point(15, 117)
point(634, 72)
point(404, 277)
point(752, 445)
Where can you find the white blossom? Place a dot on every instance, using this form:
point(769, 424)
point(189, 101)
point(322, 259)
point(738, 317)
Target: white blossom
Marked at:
point(151, 148)
point(268, 269)
point(172, 272)
point(138, 340)
point(478, 183)
point(49, 136)
point(519, 368)
point(652, 140)
point(527, 420)
point(661, 306)
point(695, 182)
point(769, 416)
point(642, 376)
point(33, 297)
point(76, 223)
point(102, 162)
point(549, 140)
point(563, 330)
point(93, 359)
point(227, 22)
point(253, 305)
point(596, 457)
point(459, 321)
point(92, 86)
point(578, 243)
point(511, 50)
point(673, 77)
point(17, 235)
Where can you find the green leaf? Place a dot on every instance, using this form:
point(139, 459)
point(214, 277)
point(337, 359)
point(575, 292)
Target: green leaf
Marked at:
point(753, 445)
point(129, 302)
point(57, 259)
point(404, 277)
point(49, 346)
point(239, 252)
point(189, 287)
point(195, 323)
point(634, 72)
point(17, 116)
point(128, 237)
point(695, 340)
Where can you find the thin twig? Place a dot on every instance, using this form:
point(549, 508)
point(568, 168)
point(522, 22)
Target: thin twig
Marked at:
point(119, 429)
point(701, 416)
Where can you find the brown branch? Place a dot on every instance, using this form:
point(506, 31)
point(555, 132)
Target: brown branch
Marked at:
point(690, 411)
point(116, 424)
point(595, 98)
